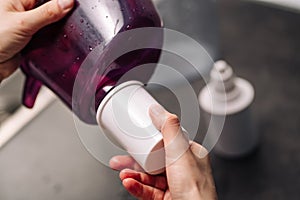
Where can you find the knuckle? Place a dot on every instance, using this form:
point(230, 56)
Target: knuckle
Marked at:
point(200, 151)
point(50, 13)
point(20, 23)
point(172, 119)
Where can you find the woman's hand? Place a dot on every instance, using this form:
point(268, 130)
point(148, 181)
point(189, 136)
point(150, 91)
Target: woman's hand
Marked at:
point(19, 21)
point(188, 172)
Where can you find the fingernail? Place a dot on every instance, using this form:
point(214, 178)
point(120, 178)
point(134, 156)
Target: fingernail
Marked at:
point(158, 115)
point(157, 111)
point(65, 4)
point(114, 161)
point(127, 171)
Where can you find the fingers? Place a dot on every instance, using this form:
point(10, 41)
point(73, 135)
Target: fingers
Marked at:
point(138, 184)
point(124, 162)
point(158, 115)
point(198, 150)
point(46, 14)
point(167, 123)
point(159, 182)
point(9, 66)
point(175, 141)
point(142, 191)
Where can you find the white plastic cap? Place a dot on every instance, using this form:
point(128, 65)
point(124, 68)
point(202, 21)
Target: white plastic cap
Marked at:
point(123, 116)
point(225, 94)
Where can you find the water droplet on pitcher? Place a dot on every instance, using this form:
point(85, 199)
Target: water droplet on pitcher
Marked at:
point(81, 20)
point(128, 26)
point(90, 48)
point(77, 58)
point(106, 16)
point(65, 36)
point(117, 22)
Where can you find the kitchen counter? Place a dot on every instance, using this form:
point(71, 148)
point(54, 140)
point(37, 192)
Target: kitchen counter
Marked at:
point(263, 45)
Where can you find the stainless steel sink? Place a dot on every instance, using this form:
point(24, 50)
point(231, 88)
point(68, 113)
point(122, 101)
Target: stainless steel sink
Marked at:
point(46, 160)
point(10, 95)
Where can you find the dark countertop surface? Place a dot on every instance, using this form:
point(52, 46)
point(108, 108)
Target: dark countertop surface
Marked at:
point(263, 45)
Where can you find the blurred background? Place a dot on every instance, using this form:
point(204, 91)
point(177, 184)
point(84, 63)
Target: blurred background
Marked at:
point(262, 43)
point(259, 39)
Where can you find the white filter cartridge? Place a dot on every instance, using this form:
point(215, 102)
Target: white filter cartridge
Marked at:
point(123, 115)
point(231, 97)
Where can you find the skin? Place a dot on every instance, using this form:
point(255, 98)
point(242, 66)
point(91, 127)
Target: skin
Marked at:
point(188, 172)
point(19, 22)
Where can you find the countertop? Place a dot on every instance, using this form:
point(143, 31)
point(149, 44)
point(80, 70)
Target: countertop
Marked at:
point(263, 46)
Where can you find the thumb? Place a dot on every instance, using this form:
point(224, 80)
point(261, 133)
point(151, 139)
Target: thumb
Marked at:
point(175, 141)
point(47, 13)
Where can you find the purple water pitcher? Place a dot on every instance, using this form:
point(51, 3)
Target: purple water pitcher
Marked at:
point(56, 53)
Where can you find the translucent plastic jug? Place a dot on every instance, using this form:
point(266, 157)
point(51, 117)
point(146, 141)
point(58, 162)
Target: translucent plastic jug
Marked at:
point(55, 54)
